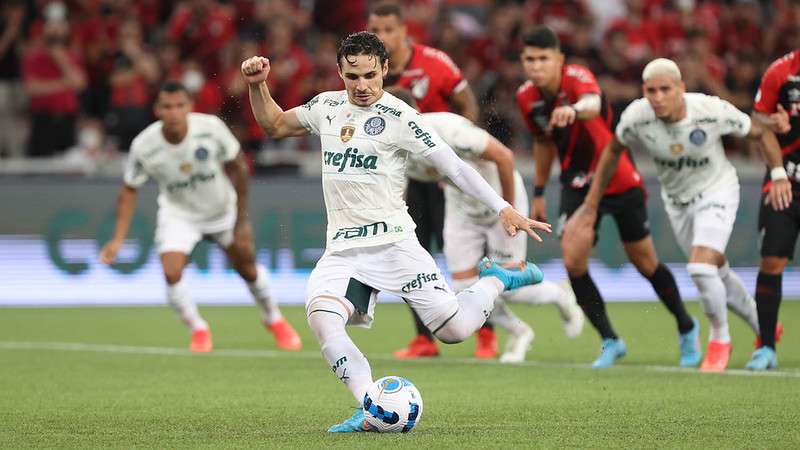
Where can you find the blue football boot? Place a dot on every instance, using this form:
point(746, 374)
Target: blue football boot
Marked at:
point(355, 424)
point(690, 346)
point(511, 279)
point(612, 350)
point(764, 358)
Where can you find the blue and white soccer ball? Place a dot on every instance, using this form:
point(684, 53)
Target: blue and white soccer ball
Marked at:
point(392, 405)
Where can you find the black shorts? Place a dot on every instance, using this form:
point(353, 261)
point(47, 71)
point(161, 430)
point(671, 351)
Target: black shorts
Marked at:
point(778, 229)
point(425, 201)
point(628, 209)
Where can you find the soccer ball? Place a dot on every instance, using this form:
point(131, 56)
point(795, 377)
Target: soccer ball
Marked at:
point(392, 405)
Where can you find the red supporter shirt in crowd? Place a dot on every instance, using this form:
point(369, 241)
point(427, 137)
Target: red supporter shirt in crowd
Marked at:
point(39, 65)
point(431, 76)
point(781, 85)
point(580, 144)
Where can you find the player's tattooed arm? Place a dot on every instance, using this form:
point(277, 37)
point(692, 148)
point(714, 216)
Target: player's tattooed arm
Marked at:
point(276, 122)
point(465, 103)
point(778, 121)
point(503, 158)
point(544, 153)
point(126, 205)
point(779, 194)
point(236, 169)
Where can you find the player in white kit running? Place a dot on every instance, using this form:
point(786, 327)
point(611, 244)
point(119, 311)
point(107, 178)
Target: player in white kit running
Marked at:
point(366, 135)
point(682, 132)
point(473, 231)
point(202, 180)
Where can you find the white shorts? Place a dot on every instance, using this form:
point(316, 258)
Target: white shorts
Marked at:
point(467, 241)
point(707, 221)
point(354, 276)
point(176, 234)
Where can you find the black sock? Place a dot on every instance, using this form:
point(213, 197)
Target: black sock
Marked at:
point(422, 330)
point(768, 300)
point(592, 304)
point(664, 284)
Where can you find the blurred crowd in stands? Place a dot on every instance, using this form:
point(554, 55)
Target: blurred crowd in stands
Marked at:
point(77, 77)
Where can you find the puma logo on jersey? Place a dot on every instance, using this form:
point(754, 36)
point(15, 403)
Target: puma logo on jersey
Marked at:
point(350, 158)
point(330, 119)
point(419, 133)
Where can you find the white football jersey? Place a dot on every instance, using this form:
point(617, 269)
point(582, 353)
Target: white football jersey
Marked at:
point(689, 155)
point(191, 177)
point(364, 152)
point(469, 142)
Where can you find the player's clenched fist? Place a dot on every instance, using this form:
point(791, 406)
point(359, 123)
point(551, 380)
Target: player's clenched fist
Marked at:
point(255, 69)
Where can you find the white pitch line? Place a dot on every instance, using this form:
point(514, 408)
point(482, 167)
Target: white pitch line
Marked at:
point(244, 353)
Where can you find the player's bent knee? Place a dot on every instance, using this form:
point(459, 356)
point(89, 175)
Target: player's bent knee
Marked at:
point(172, 275)
point(327, 316)
point(453, 332)
point(773, 265)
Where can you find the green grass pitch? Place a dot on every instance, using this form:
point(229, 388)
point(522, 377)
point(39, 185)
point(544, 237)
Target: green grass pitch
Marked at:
point(120, 378)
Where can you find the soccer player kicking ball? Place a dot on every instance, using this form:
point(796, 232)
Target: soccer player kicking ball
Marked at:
point(568, 115)
point(473, 231)
point(366, 135)
point(683, 133)
point(777, 104)
point(190, 154)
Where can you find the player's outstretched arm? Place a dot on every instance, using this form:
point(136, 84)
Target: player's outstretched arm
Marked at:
point(503, 158)
point(544, 153)
point(470, 182)
point(276, 122)
point(126, 204)
point(779, 194)
point(581, 224)
point(587, 107)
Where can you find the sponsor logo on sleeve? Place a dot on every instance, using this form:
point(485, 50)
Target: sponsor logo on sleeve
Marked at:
point(421, 134)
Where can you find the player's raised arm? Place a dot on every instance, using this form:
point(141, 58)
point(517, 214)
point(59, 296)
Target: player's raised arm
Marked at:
point(544, 153)
point(465, 103)
point(276, 122)
point(126, 205)
point(236, 169)
point(780, 189)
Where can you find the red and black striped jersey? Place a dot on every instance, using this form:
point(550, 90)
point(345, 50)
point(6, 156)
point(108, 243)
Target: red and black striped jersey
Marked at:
point(431, 76)
point(580, 144)
point(781, 85)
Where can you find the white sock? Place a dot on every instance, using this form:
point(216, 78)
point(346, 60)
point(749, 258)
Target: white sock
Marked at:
point(712, 293)
point(178, 296)
point(343, 357)
point(270, 313)
point(544, 293)
point(475, 304)
point(739, 300)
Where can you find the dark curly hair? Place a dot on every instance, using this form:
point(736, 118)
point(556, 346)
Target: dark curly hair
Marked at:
point(361, 43)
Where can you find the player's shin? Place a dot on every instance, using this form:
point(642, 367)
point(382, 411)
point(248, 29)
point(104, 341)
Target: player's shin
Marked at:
point(768, 300)
point(712, 294)
point(666, 288)
point(270, 313)
point(739, 300)
point(344, 358)
point(178, 296)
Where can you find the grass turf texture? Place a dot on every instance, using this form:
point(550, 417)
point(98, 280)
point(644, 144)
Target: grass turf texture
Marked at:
point(114, 393)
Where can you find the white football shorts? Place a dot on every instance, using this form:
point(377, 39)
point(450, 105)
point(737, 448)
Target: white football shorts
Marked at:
point(706, 221)
point(355, 276)
point(467, 241)
point(177, 234)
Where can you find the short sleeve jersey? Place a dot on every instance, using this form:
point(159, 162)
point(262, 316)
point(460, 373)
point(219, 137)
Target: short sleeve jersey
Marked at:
point(689, 155)
point(580, 144)
point(780, 85)
point(191, 177)
point(431, 76)
point(364, 152)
